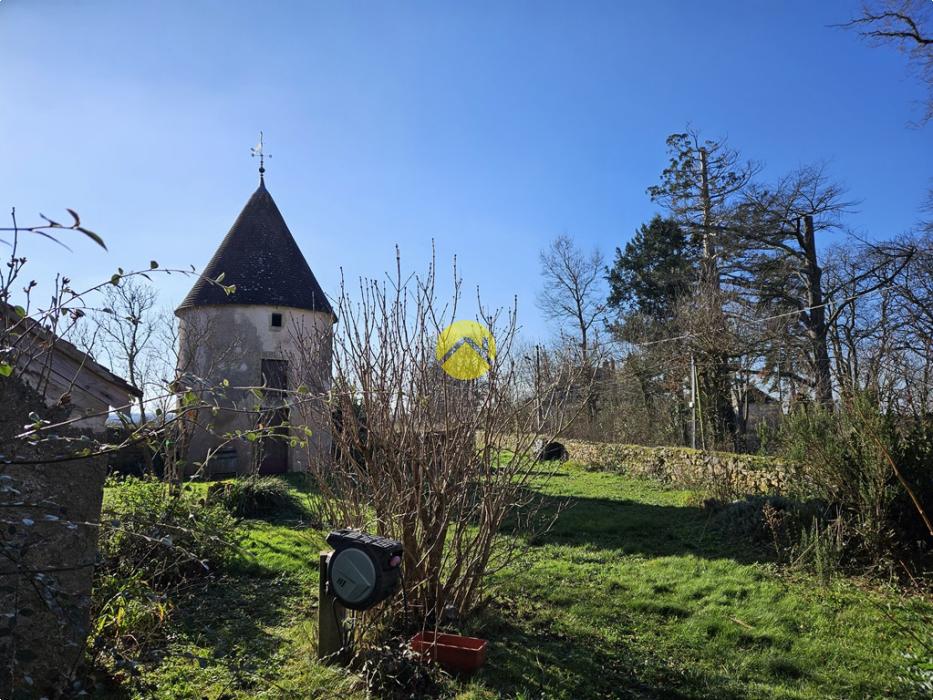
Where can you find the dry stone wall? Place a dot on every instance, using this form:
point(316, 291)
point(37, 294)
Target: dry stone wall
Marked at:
point(738, 474)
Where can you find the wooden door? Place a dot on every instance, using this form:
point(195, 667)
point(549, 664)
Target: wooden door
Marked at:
point(273, 447)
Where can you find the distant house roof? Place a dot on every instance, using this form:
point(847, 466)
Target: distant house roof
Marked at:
point(261, 258)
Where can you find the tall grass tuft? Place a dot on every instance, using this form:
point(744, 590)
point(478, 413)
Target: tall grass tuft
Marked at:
point(821, 549)
point(255, 497)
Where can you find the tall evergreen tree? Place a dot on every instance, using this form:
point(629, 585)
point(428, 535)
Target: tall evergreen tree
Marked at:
point(657, 268)
point(647, 282)
point(701, 188)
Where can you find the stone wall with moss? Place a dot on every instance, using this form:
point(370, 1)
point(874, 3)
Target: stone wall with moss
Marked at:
point(723, 472)
point(49, 508)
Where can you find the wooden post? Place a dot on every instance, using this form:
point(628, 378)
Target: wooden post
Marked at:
point(330, 616)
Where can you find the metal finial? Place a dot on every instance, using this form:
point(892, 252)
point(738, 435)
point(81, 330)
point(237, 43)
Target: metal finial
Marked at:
point(257, 150)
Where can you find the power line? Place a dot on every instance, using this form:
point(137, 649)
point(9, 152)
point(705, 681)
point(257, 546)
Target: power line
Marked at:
point(797, 312)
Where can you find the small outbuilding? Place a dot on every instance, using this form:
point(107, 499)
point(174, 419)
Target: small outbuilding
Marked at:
point(65, 375)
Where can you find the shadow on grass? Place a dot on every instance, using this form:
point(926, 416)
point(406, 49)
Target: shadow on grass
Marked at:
point(534, 659)
point(232, 619)
point(543, 653)
point(633, 527)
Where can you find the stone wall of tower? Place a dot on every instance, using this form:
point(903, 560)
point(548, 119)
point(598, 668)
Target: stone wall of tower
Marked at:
point(229, 342)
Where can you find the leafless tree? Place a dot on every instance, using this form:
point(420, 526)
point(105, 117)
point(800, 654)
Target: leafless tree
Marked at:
point(124, 330)
point(882, 341)
point(780, 261)
point(915, 284)
point(574, 291)
point(907, 24)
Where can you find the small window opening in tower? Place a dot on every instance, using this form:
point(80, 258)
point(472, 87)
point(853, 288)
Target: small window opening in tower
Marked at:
point(276, 320)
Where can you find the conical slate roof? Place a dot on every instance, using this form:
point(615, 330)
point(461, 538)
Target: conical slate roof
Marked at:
point(262, 259)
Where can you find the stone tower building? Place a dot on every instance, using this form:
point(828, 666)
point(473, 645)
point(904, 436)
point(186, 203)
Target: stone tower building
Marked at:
point(274, 332)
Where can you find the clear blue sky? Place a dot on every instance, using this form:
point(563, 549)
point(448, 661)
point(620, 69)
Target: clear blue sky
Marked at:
point(488, 126)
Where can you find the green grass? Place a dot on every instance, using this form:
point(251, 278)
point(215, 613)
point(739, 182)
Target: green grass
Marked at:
point(628, 595)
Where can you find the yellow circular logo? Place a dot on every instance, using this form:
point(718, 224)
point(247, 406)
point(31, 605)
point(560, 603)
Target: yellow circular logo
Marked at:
point(465, 349)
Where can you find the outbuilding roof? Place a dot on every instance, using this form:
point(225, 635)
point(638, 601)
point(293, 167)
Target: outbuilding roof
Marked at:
point(40, 341)
point(261, 258)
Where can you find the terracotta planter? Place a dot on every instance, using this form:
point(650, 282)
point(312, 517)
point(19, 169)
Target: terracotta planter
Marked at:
point(452, 651)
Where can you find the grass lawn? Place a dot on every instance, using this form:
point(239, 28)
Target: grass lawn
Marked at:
point(629, 595)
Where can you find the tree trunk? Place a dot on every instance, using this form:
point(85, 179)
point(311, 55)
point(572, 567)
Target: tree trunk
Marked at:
point(815, 318)
point(717, 381)
point(708, 268)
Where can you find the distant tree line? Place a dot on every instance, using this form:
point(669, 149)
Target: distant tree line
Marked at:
point(744, 291)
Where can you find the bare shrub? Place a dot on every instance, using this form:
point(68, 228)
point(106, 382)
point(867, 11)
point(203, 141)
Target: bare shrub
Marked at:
point(393, 670)
point(437, 463)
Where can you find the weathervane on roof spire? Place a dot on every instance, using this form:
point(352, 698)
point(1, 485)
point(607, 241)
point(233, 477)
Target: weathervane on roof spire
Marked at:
point(257, 150)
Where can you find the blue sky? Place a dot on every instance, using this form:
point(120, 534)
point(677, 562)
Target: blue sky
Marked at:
point(490, 127)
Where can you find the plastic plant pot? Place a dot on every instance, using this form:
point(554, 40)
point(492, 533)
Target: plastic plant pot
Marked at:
point(455, 653)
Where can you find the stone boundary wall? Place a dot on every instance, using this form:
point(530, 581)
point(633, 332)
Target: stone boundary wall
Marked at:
point(48, 546)
point(724, 472)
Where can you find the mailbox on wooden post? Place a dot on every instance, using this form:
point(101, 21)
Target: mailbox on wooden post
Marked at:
point(362, 571)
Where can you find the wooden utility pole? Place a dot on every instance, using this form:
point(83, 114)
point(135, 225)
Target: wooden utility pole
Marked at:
point(538, 387)
point(693, 402)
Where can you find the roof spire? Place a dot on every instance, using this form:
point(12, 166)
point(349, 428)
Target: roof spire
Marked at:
point(257, 150)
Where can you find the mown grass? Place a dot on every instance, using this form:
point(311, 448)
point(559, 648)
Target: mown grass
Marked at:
point(629, 595)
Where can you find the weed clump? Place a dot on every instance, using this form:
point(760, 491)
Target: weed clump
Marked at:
point(393, 670)
point(166, 536)
point(807, 536)
point(154, 542)
point(757, 517)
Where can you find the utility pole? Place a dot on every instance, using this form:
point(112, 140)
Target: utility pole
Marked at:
point(693, 403)
point(538, 386)
point(781, 378)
